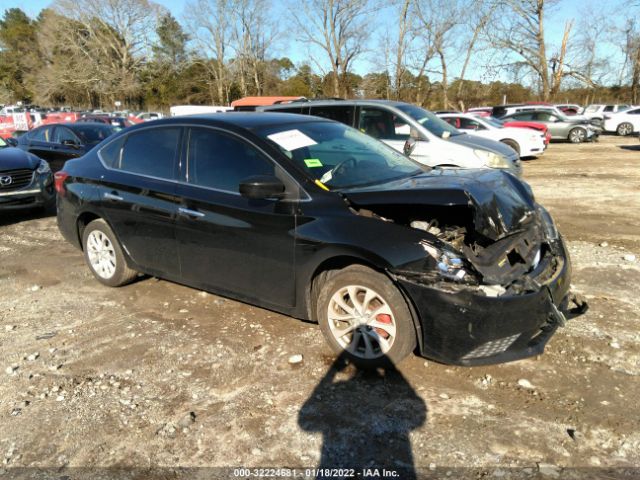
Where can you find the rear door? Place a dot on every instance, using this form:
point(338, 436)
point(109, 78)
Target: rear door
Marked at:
point(138, 196)
point(226, 242)
point(65, 146)
point(40, 143)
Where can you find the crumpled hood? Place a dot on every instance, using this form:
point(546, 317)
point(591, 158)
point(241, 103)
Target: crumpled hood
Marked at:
point(14, 158)
point(474, 141)
point(500, 202)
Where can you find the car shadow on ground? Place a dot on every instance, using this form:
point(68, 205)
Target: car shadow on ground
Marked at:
point(633, 148)
point(365, 417)
point(10, 217)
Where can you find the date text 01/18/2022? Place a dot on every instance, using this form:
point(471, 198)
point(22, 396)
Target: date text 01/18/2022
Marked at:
point(314, 473)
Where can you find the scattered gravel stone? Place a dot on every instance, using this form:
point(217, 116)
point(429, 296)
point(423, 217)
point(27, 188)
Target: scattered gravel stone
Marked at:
point(524, 383)
point(33, 356)
point(184, 310)
point(295, 359)
point(256, 451)
point(444, 396)
point(548, 470)
point(187, 420)
point(60, 398)
point(615, 345)
point(35, 288)
point(11, 369)
point(9, 328)
point(630, 258)
point(604, 244)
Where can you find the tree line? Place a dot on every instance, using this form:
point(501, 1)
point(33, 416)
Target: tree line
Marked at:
point(91, 53)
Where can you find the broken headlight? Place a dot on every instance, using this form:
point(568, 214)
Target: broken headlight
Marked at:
point(449, 264)
point(549, 226)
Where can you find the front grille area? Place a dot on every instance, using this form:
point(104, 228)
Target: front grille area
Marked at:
point(15, 179)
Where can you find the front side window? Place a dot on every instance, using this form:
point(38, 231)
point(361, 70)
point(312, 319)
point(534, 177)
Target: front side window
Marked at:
point(468, 124)
point(41, 134)
point(62, 135)
point(428, 120)
point(150, 152)
point(221, 161)
point(338, 156)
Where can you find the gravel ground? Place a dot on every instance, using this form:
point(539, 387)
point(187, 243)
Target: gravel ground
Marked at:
point(157, 375)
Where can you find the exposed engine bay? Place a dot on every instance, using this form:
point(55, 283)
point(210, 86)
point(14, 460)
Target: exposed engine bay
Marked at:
point(517, 262)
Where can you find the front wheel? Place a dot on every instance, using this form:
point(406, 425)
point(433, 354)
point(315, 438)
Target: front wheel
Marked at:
point(624, 129)
point(577, 135)
point(365, 317)
point(104, 256)
point(513, 144)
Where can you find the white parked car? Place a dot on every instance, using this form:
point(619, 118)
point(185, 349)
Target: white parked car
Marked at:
point(600, 110)
point(526, 142)
point(623, 123)
point(148, 116)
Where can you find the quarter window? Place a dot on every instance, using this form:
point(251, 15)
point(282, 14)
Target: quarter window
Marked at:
point(339, 113)
point(221, 161)
point(150, 152)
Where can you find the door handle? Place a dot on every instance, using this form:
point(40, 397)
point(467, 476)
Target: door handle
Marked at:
point(190, 213)
point(113, 196)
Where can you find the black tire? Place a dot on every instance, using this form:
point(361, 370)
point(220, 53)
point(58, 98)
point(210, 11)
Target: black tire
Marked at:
point(577, 135)
point(624, 129)
point(513, 144)
point(122, 274)
point(361, 277)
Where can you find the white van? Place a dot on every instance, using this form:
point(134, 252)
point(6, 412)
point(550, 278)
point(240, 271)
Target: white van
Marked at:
point(181, 110)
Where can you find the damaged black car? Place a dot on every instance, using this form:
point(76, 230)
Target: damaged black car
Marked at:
point(316, 220)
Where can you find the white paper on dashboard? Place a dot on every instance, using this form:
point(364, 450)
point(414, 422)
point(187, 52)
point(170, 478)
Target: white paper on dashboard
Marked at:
point(292, 139)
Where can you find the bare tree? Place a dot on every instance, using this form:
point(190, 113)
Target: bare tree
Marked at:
point(210, 25)
point(521, 31)
point(340, 29)
point(115, 35)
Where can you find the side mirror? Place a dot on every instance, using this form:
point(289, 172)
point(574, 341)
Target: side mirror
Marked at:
point(262, 187)
point(12, 141)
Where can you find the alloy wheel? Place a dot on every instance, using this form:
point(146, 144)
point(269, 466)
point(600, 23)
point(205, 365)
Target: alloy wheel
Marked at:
point(361, 321)
point(102, 255)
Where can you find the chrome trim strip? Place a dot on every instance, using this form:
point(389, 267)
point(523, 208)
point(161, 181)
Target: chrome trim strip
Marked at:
point(20, 192)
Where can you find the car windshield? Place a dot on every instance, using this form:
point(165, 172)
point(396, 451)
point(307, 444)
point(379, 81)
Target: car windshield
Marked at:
point(93, 134)
point(494, 122)
point(428, 120)
point(336, 156)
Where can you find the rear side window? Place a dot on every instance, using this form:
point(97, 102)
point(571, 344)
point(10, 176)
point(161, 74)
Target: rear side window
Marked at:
point(219, 160)
point(150, 152)
point(342, 114)
point(608, 108)
point(111, 154)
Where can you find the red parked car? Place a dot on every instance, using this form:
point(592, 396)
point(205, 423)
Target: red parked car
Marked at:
point(533, 125)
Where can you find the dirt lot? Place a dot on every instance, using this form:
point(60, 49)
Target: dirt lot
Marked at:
point(160, 375)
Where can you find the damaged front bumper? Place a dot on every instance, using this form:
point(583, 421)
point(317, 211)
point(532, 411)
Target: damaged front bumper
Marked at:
point(462, 325)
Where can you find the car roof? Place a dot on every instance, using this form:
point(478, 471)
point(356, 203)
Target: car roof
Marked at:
point(247, 120)
point(322, 103)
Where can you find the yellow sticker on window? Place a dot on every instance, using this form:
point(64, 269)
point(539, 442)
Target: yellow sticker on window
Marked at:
point(312, 162)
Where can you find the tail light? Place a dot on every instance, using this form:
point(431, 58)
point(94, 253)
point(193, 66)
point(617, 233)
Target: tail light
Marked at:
point(59, 179)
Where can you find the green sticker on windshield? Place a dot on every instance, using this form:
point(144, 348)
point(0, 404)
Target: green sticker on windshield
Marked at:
point(312, 162)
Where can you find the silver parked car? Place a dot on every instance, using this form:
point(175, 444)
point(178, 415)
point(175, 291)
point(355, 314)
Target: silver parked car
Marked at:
point(561, 127)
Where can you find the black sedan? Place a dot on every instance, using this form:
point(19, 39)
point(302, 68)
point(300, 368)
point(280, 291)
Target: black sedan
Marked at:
point(57, 143)
point(25, 180)
point(314, 219)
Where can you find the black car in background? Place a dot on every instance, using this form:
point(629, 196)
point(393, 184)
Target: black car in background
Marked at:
point(25, 180)
point(57, 143)
point(314, 219)
point(118, 122)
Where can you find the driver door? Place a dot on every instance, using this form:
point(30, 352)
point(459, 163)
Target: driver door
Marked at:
point(65, 146)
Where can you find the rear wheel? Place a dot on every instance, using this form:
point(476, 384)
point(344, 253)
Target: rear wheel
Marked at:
point(624, 129)
point(104, 255)
point(513, 144)
point(577, 135)
point(365, 317)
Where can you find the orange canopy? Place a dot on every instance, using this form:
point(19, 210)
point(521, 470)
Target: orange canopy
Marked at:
point(260, 101)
